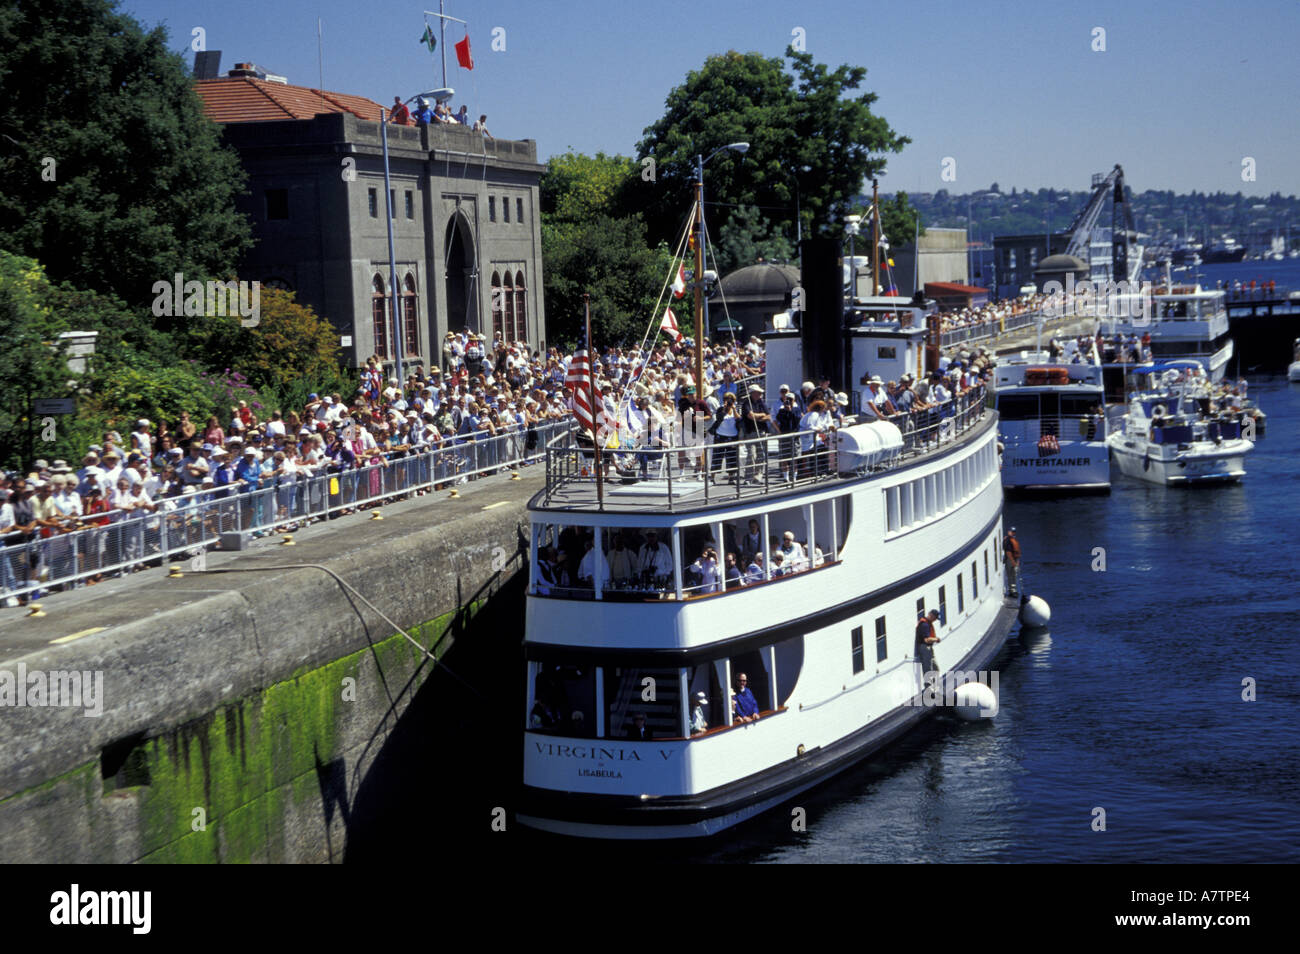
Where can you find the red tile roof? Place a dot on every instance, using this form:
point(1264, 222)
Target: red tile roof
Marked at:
point(243, 99)
point(953, 288)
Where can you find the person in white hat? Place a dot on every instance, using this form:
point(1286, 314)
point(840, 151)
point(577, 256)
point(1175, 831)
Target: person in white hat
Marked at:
point(698, 722)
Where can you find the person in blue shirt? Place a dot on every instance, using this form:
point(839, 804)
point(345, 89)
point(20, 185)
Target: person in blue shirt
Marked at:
point(746, 704)
point(424, 115)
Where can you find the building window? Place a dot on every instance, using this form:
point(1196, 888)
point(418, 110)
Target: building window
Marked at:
point(410, 317)
point(379, 313)
point(277, 203)
point(881, 649)
point(492, 208)
point(392, 202)
point(858, 663)
point(961, 596)
point(374, 203)
point(943, 606)
point(508, 303)
point(521, 309)
point(498, 305)
point(519, 211)
point(410, 204)
point(505, 208)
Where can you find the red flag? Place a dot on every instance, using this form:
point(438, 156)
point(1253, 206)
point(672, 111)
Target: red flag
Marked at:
point(679, 283)
point(462, 54)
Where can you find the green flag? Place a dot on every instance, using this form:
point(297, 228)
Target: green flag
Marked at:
point(428, 38)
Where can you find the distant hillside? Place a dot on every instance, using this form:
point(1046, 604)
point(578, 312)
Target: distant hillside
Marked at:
point(1207, 216)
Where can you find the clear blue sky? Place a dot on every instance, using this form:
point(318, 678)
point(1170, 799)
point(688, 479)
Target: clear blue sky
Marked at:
point(1013, 91)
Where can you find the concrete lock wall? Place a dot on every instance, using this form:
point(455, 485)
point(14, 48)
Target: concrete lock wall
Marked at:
point(243, 711)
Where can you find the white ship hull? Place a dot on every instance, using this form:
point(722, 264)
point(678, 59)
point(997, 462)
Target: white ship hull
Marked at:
point(1201, 463)
point(1077, 465)
point(913, 530)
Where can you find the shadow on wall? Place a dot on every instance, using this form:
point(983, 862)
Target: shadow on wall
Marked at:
point(455, 752)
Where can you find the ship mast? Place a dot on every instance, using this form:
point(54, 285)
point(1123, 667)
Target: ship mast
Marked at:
point(699, 286)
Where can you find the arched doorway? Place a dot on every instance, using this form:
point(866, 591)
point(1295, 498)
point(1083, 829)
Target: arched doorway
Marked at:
point(458, 265)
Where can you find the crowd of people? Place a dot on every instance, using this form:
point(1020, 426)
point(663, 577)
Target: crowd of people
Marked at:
point(485, 405)
point(993, 313)
point(638, 563)
point(434, 114)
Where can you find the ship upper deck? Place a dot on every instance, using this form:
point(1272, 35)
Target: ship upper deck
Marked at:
point(684, 478)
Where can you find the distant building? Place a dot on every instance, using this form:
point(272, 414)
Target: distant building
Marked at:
point(953, 296)
point(466, 217)
point(943, 258)
point(1017, 256)
point(753, 294)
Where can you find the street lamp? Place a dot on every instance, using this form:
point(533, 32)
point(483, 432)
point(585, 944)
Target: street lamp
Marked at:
point(852, 225)
point(702, 303)
point(398, 341)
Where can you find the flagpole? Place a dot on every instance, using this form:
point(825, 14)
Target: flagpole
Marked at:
point(876, 284)
point(595, 414)
point(442, 28)
point(699, 285)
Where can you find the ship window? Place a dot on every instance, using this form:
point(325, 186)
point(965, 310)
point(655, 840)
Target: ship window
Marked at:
point(974, 582)
point(858, 664)
point(564, 700)
point(882, 650)
point(894, 521)
point(961, 596)
point(986, 566)
point(920, 607)
point(905, 504)
point(707, 678)
point(1078, 405)
point(886, 354)
point(943, 606)
point(789, 663)
point(753, 666)
point(632, 691)
point(1018, 407)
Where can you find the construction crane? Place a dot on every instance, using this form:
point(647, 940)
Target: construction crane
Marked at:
point(1123, 232)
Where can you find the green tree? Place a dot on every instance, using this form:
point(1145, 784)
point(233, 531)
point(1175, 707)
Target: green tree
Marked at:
point(900, 220)
point(115, 178)
point(608, 259)
point(576, 187)
point(289, 353)
point(808, 141)
point(747, 237)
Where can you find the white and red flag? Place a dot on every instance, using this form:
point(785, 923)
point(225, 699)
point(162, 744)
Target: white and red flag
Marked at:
point(679, 283)
point(669, 325)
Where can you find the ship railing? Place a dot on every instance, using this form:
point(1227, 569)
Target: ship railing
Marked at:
point(753, 467)
point(184, 527)
point(991, 328)
point(1073, 427)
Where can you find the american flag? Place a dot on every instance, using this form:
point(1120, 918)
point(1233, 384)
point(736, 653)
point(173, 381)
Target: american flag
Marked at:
point(1048, 445)
point(580, 379)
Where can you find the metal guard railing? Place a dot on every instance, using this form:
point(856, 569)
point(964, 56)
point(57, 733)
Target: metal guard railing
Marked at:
point(745, 468)
point(187, 524)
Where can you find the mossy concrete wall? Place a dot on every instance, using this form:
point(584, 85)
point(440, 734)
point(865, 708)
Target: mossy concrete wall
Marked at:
point(244, 711)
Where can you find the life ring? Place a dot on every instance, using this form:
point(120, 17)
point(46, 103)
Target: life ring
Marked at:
point(1160, 410)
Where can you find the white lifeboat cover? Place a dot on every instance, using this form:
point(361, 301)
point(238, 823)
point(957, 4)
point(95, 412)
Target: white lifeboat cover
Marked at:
point(867, 445)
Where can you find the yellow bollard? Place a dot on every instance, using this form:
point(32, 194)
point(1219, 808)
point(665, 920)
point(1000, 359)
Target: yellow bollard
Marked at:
point(35, 610)
point(287, 541)
point(376, 515)
point(174, 572)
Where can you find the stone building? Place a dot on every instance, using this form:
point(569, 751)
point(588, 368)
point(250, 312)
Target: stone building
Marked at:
point(466, 217)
